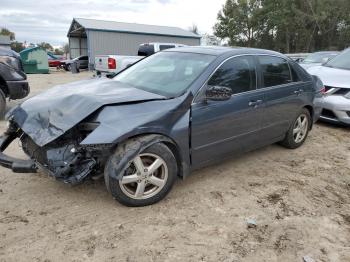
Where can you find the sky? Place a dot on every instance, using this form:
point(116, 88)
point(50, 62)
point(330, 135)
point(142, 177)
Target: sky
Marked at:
point(49, 20)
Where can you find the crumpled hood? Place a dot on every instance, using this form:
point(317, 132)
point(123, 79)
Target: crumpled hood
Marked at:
point(49, 115)
point(332, 76)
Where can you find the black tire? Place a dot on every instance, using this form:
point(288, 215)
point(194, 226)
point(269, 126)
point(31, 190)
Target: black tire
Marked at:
point(290, 140)
point(114, 187)
point(2, 104)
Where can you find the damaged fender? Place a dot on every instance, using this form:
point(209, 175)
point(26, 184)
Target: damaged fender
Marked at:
point(128, 150)
point(118, 124)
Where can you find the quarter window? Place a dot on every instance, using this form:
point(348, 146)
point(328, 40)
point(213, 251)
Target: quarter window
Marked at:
point(275, 71)
point(238, 73)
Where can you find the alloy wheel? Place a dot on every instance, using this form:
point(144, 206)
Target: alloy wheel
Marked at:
point(145, 176)
point(300, 128)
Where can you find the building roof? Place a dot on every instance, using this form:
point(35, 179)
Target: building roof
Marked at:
point(5, 40)
point(113, 26)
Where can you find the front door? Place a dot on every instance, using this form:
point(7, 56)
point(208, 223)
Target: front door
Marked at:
point(220, 128)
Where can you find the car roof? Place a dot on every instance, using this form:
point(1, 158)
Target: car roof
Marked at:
point(222, 50)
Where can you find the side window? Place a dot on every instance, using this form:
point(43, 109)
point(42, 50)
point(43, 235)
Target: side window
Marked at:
point(163, 47)
point(238, 73)
point(275, 71)
point(146, 50)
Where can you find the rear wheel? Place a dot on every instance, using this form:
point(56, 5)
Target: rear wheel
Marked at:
point(298, 131)
point(148, 178)
point(2, 104)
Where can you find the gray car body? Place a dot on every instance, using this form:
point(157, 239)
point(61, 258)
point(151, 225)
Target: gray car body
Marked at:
point(13, 81)
point(201, 131)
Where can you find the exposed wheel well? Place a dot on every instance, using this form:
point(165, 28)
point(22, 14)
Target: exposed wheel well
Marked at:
point(311, 111)
point(175, 151)
point(3, 86)
point(171, 144)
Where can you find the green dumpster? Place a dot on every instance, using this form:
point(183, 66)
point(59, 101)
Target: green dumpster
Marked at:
point(35, 60)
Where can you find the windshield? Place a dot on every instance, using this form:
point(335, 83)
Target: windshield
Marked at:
point(341, 61)
point(165, 73)
point(317, 57)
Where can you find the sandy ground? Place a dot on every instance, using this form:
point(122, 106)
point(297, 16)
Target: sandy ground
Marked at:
point(300, 200)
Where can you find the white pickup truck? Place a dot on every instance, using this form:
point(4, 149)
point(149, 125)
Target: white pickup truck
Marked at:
point(112, 64)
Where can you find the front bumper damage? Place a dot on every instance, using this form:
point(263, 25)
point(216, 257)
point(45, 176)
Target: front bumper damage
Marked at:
point(64, 159)
point(15, 164)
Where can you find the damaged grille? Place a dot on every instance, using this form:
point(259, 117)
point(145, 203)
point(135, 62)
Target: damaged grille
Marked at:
point(65, 159)
point(52, 156)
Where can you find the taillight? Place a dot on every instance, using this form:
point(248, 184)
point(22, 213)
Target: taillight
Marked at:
point(323, 91)
point(112, 64)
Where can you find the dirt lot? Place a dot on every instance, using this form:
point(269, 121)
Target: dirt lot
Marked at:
point(300, 200)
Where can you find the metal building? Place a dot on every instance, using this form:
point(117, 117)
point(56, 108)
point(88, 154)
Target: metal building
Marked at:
point(97, 37)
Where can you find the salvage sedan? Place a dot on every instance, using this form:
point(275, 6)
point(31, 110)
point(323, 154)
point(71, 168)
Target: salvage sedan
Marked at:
point(170, 113)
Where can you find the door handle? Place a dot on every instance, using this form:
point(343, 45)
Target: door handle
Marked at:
point(299, 92)
point(255, 103)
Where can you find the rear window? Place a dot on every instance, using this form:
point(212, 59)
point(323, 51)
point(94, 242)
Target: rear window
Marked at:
point(146, 50)
point(275, 71)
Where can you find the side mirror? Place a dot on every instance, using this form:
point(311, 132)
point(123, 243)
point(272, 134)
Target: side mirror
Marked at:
point(218, 93)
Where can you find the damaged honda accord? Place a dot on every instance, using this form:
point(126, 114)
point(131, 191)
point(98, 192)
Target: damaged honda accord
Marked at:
point(165, 116)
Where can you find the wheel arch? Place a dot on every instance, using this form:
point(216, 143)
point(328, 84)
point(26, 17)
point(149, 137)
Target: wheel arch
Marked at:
point(3, 86)
point(312, 112)
point(171, 144)
point(129, 147)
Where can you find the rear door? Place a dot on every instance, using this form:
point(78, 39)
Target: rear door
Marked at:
point(283, 95)
point(220, 128)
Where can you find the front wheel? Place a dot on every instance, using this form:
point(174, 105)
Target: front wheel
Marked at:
point(298, 131)
point(148, 178)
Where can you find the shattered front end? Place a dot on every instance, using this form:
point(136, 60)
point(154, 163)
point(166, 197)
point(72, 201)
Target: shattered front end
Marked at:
point(64, 158)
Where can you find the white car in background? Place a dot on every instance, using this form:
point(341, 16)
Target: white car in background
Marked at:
point(318, 58)
point(113, 64)
point(335, 75)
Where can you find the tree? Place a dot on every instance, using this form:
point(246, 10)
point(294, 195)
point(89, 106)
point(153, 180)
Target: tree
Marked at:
point(7, 32)
point(58, 51)
point(286, 25)
point(238, 22)
point(46, 46)
point(194, 29)
point(66, 48)
point(17, 46)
